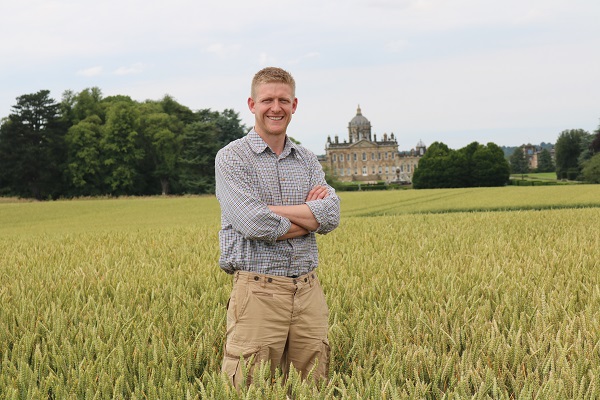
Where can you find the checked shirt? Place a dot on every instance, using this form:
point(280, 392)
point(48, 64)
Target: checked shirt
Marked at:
point(249, 178)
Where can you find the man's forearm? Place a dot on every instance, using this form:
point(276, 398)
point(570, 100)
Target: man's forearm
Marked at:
point(295, 231)
point(300, 215)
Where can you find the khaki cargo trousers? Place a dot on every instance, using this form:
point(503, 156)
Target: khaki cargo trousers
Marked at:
point(279, 320)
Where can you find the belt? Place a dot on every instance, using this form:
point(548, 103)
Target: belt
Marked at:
point(253, 276)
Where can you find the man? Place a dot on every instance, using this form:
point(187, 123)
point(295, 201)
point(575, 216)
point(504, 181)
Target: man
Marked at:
point(273, 198)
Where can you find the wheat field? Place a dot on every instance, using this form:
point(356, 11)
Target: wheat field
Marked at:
point(435, 294)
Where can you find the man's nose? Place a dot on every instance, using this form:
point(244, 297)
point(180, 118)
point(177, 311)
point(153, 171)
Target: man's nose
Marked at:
point(275, 106)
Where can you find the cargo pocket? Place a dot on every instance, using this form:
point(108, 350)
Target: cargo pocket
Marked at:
point(237, 353)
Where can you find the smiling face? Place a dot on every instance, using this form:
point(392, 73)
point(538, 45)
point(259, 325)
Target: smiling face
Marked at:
point(272, 104)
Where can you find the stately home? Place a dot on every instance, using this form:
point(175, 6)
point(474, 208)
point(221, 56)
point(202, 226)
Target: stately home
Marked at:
point(363, 158)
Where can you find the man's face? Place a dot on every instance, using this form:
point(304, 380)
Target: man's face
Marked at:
point(273, 105)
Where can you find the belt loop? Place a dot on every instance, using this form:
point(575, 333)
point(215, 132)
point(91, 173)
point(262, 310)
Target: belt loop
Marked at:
point(236, 276)
point(263, 282)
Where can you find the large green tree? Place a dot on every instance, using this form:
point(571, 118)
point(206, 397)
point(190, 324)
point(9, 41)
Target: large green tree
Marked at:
point(120, 146)
point(163, 137)
point(595, 145)
point(32, 149)
point(591, 169)
point(85, 168)
point(200, 146)
point(489, 167)
point(436, 168)
point(568, 149)
point(518, 161)
point(202, 139)
point(545, 163)
point(473, 165)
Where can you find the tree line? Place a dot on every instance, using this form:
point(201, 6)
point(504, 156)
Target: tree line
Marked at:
point(90, 145)
point(576, 157)
point(475, 165)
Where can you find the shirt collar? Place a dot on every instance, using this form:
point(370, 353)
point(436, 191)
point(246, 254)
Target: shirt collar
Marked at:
point(258, 145)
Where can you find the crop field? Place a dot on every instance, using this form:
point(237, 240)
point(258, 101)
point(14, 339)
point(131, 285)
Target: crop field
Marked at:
point(435, 294)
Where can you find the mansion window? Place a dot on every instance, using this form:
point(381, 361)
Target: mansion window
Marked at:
point(408, 168)
point(373, 170)
point(355, 171)
point(354, 156)
point(387, 170)
point(380, 170)
point(364, 170)
point(372, 156)
point(364, 156)
point(341, 171)
point(334, 157)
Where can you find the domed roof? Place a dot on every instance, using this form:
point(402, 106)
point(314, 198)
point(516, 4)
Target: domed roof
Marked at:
point(359, 119)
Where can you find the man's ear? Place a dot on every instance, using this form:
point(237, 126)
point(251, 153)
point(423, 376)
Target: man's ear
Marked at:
point(251, 104)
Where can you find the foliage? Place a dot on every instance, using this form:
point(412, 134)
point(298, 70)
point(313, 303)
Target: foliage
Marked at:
point(474, 165)
point(545, 163)
point(129, 302)
point(32, 147)
point(569, 147)
point(518, 162)
point(90, 145)
point(591, 170)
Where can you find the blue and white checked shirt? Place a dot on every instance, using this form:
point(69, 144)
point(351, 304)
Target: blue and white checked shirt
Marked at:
point(249, 178)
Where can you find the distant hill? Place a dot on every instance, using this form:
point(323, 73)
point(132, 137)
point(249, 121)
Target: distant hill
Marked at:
point(508, 150)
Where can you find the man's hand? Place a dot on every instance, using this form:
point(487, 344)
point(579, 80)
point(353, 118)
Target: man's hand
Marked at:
point(317, 193)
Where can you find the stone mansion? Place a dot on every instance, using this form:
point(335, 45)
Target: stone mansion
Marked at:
point(363, 158)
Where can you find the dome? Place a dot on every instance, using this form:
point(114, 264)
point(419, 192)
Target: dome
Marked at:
point(359, 119)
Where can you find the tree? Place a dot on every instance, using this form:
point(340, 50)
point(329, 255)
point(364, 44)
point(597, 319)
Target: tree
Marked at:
point(85, 169)
point(518, 162)
point(591, 170)
point(121, 150)
point(545, 163)
point(32, 149)
point(568, 148)
point(200, 146)
point(489, 167)
point(473, 165)
point(162, 135)
point(79, 106)
point(595, 144)
point(436, 168)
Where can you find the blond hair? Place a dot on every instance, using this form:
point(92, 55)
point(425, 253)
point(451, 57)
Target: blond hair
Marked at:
point(272, 75)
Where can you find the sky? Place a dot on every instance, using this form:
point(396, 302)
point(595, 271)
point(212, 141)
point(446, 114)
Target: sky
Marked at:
point(509, 72)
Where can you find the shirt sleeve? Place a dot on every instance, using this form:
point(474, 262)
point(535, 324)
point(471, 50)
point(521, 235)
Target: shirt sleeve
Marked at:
point(241, 206)
point(327, 210)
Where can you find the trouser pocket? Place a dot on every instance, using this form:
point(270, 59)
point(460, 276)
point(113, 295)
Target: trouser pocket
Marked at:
point(239, 359)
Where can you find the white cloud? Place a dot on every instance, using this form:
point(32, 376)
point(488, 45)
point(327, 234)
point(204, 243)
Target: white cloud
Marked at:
point(396, 46)
point(130, 70)
point(265, 60)
point(90, 72)
point(222, 50)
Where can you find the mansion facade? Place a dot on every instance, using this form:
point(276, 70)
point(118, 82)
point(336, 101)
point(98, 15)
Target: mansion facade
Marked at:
point(363, 158)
